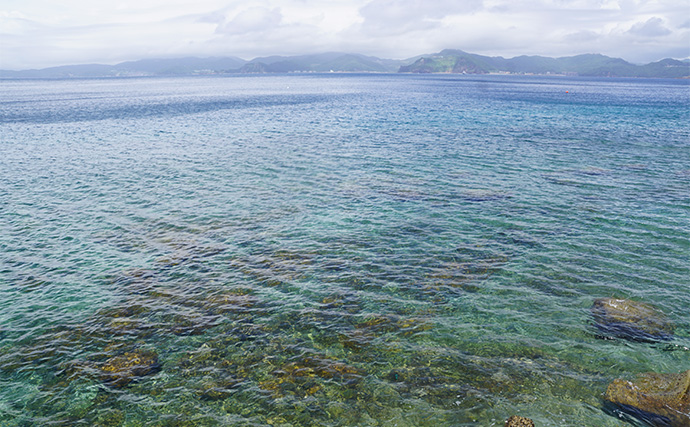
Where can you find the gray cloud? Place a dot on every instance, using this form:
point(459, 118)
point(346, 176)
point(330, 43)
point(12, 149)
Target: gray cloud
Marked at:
point(417, 9)
point(653, 27)
point(581, 37)
point(215, 17)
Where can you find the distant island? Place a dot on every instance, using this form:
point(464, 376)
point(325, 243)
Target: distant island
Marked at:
point(448, 61)
point(592, 65)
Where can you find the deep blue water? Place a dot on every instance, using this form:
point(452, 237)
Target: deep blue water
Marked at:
point(345, 250)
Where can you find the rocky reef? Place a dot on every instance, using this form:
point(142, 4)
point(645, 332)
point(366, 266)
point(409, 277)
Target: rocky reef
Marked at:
point(290, 337)
point(657, 399)
point(631, 320)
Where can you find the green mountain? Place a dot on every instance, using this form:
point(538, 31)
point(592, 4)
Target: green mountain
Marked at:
point(180, 66)
point(324, 62)
point(145, 67)
point(446, 61)
point(66, 71)
point(459, 62)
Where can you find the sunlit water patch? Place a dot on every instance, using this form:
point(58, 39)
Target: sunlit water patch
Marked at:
point(335, 250)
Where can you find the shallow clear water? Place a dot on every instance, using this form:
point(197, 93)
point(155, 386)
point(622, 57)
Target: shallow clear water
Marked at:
point(336, 249)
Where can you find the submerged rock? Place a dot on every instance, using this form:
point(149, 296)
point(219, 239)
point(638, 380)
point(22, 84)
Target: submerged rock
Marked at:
point(309, 375)
point(356, 340)
point(632, 320)
point(120, 370)
point(657, 399)
point(517, 421)
point(217, 389)
point(231, 302)
point(480, 195)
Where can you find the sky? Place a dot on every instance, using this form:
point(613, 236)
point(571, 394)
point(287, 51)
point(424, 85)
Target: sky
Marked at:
point(43, 33)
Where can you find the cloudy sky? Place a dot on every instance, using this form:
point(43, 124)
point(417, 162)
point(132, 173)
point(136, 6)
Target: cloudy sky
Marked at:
point(42, 33)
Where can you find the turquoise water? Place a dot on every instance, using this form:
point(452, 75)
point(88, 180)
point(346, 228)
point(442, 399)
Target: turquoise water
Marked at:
point(336, 250)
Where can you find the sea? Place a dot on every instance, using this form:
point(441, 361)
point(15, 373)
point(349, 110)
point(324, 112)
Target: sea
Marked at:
point(336, 249)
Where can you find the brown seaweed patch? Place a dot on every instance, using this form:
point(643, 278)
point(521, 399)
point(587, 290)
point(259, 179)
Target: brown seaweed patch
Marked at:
point(518, 421)
point(27, 357)
point(269, 271)
point(128, 310)
point(118, 371)
point(110, 417)
point(184, 252)
point(53, 347)
point(413, 325)
point(217, 388)
point(127, 319)
point(206, 358)
point(234, 301)
point(433, 384)
point(378, 323)
point(191, 323)
point(305, 376)
point(345, 302)
point(31, 283)
point(356, 340)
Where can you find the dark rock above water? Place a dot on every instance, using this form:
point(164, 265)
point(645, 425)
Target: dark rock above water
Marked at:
point(517, 421)
point(657, 399)
point(632, 320)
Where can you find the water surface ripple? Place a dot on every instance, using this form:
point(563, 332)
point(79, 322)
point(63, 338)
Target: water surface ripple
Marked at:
point(335, 250)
